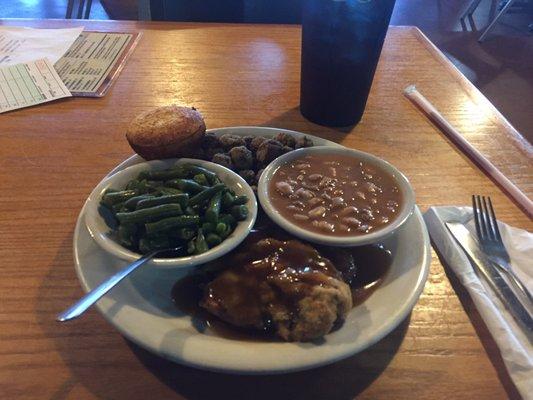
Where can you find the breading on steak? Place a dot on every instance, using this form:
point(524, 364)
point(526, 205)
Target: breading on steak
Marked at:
point(286, 286)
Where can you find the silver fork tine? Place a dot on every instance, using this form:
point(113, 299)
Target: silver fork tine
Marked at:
point(476, 215)
point(497, 234)
point(483, 228)
point(491, 241)
point(486, 217)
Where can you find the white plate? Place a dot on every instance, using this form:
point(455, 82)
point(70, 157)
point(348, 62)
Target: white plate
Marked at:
point(142, 310)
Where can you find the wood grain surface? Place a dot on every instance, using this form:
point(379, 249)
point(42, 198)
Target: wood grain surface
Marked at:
point(52, 155)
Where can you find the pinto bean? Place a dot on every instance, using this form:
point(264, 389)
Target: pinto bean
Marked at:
point(315, 201)
point(367, 214)
point(351, 221)
point(284, 187)
point(317, 212)
point(326, 226)
point(304, 194)
point(343, 228)
point(350, 210)
point(302, 166)
point(361, 195)
point(337, 202)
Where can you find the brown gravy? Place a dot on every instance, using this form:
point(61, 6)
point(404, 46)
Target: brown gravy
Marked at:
point(336, 195)
point(363, 268)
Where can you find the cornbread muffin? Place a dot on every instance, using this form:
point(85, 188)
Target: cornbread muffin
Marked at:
point(166, 132)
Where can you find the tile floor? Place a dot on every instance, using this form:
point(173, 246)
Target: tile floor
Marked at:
point(501, 67)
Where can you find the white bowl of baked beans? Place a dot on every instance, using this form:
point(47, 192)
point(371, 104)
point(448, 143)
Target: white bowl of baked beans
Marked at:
point(335, 196)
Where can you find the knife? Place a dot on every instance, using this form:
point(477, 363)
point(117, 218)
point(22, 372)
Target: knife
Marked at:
point(492, 276)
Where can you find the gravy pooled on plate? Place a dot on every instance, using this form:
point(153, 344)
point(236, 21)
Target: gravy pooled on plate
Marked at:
point(334, 194)
point(274, 287)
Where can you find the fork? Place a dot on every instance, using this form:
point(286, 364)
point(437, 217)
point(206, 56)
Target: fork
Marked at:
point(491, 240)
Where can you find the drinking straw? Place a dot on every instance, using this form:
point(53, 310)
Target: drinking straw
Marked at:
point(471, 152)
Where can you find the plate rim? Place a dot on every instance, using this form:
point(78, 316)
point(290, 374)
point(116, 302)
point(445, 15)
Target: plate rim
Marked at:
point(395, 320)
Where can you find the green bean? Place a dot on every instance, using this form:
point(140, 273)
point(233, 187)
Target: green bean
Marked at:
point(213, 239)
point(132, 185)
point(147, 244)
point(240, 213)
point(168, 190)
point(191, 248)
point(201, 179)
point(200, 244)
point(131, 203)
point(206, 194)
point(167, 174)
point(208, 227)
point(230, 200)
point(213, 209)
point(117, 207)
point(145, 187)
point(126, 233)
point(226, 232)
point(210, 175)
point(111, 198)
point(154, 184)
point(150, 214)
point(227, 200)
point(186, 185)
point(181, 221)
point(221, 227)
point(142, 175)
point(227, 219)
point(181, 199)
point(240, 200)
point(185, 233)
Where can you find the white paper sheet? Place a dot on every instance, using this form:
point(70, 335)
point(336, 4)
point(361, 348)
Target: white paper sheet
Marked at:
point(515, 349)
point(20, 45)
point(30, 83)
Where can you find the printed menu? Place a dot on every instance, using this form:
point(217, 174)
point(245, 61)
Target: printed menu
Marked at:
point(29, 83)
point(93, 60)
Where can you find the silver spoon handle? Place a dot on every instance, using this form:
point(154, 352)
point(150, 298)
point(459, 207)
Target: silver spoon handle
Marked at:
point(94, 295)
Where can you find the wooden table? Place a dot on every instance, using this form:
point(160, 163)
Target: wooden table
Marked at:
point(53, 155)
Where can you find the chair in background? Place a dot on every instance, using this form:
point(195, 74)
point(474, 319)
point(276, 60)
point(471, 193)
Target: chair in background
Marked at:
point(471, 8)
point(505, 7)
point(235, 11)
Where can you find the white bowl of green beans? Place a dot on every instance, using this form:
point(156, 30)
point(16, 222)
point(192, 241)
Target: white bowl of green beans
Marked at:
point(202, 207)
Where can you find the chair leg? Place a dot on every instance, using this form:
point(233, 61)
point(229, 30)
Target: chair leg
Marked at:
point(143, 10)
point(70, 6)
point(495, 20)
point(471, 8)
point(88, 9)
point(80, 9)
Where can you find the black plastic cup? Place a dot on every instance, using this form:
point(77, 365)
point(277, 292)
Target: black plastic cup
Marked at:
point(341, 44)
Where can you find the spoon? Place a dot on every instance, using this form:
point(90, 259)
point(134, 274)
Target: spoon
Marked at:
point(94, 295)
